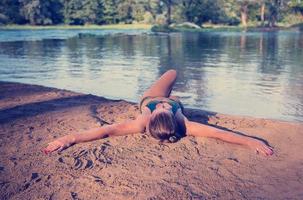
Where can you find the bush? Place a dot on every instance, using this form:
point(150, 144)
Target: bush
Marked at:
point(161, 19)
point(148, 18)
point(292, 19)
point(232, 21)
point(3, 19)
point(162, 28)
point(186, 25)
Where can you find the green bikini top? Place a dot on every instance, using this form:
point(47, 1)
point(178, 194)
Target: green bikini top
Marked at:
point(174, 104)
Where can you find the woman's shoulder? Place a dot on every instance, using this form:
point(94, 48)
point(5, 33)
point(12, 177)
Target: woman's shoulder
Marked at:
point(144, 117)
point(175, 98)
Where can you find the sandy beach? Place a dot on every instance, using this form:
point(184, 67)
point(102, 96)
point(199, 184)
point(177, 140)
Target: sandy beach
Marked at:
point(136, 166)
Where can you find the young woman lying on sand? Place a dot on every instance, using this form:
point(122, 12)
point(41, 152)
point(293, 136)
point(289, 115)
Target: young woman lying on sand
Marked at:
point(162, 117)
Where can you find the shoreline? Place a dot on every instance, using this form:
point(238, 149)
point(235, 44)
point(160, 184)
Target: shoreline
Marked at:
point(205, 28)
point(77, 27)
point(136, 166)
point(134, 102)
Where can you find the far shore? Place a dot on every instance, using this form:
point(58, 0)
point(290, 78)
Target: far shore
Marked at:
point(205, 27)
point(71, 27)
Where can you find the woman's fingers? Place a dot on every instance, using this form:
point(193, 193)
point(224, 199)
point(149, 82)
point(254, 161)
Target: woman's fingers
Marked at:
point(261, 147)
point(59, 144)
point(53, 146)
point(267, 150)
point(264, 149)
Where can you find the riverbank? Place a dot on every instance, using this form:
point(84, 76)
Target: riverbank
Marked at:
point(222, 28)
point(136, 166)
point(205, 28)
point(71, 27)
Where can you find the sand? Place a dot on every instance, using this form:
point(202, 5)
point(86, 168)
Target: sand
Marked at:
point(136, 166)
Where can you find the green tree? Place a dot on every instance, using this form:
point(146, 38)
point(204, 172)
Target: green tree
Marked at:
point(154, 7)
point(9, 12)
point(125, 11)
point(110, 11)
point(36, 12)
point(79, 12)
point(199, 11)
point(273, 12)
point(296, 6)
point(229, 12)
point(45, 12)
point(139, 10)
point(168, 4)
point(129, 11)
point(262, 11)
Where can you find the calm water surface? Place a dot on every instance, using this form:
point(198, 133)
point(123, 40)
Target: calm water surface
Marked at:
point(243, 73)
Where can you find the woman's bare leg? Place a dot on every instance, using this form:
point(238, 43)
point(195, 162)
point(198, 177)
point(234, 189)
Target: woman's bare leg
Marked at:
point(163, 86)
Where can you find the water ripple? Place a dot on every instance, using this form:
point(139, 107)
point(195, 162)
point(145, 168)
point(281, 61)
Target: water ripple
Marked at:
point(256, 74)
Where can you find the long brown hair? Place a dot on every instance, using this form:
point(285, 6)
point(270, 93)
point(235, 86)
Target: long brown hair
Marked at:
point(164, 127)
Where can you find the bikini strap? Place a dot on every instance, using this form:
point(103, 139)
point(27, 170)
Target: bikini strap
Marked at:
point(180, 105)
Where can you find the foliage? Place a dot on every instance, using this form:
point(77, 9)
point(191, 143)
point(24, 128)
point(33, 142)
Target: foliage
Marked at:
point(296, 6)
point(39, 12)
point(291, 19)
point(80, 12)
point(9, 12)
point(110, 11)
point(162, 28)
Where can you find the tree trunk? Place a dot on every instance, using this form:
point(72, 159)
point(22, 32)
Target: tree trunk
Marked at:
point(244, 10)
point(262, 13)
point(274, 11)
point(272, 21)
point(168, 20)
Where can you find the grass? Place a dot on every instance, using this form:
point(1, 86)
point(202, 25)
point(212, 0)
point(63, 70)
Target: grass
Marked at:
point(255, 27)
point(69, 27)
point(207, 28)
point(157, 28)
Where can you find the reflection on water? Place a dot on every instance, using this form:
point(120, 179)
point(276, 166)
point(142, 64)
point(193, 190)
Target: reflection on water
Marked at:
point(255, 74)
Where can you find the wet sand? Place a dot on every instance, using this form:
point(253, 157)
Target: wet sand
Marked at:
point(136, 166)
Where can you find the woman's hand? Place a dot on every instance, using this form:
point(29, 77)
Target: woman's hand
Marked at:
point(59, 144)
point(261, 147)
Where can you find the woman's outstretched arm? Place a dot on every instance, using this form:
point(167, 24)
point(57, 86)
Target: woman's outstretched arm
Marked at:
point(201, 130)
point(119, 129)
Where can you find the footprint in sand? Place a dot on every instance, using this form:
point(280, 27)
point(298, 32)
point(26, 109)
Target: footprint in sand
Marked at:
point(35, 177)
point(74, 195)
point(94, 178)
point(98, 179)
point(88, 158)
point(30, 132)
point(13, 160)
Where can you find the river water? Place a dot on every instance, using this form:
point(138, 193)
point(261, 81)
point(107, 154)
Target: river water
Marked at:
point(257, 74)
